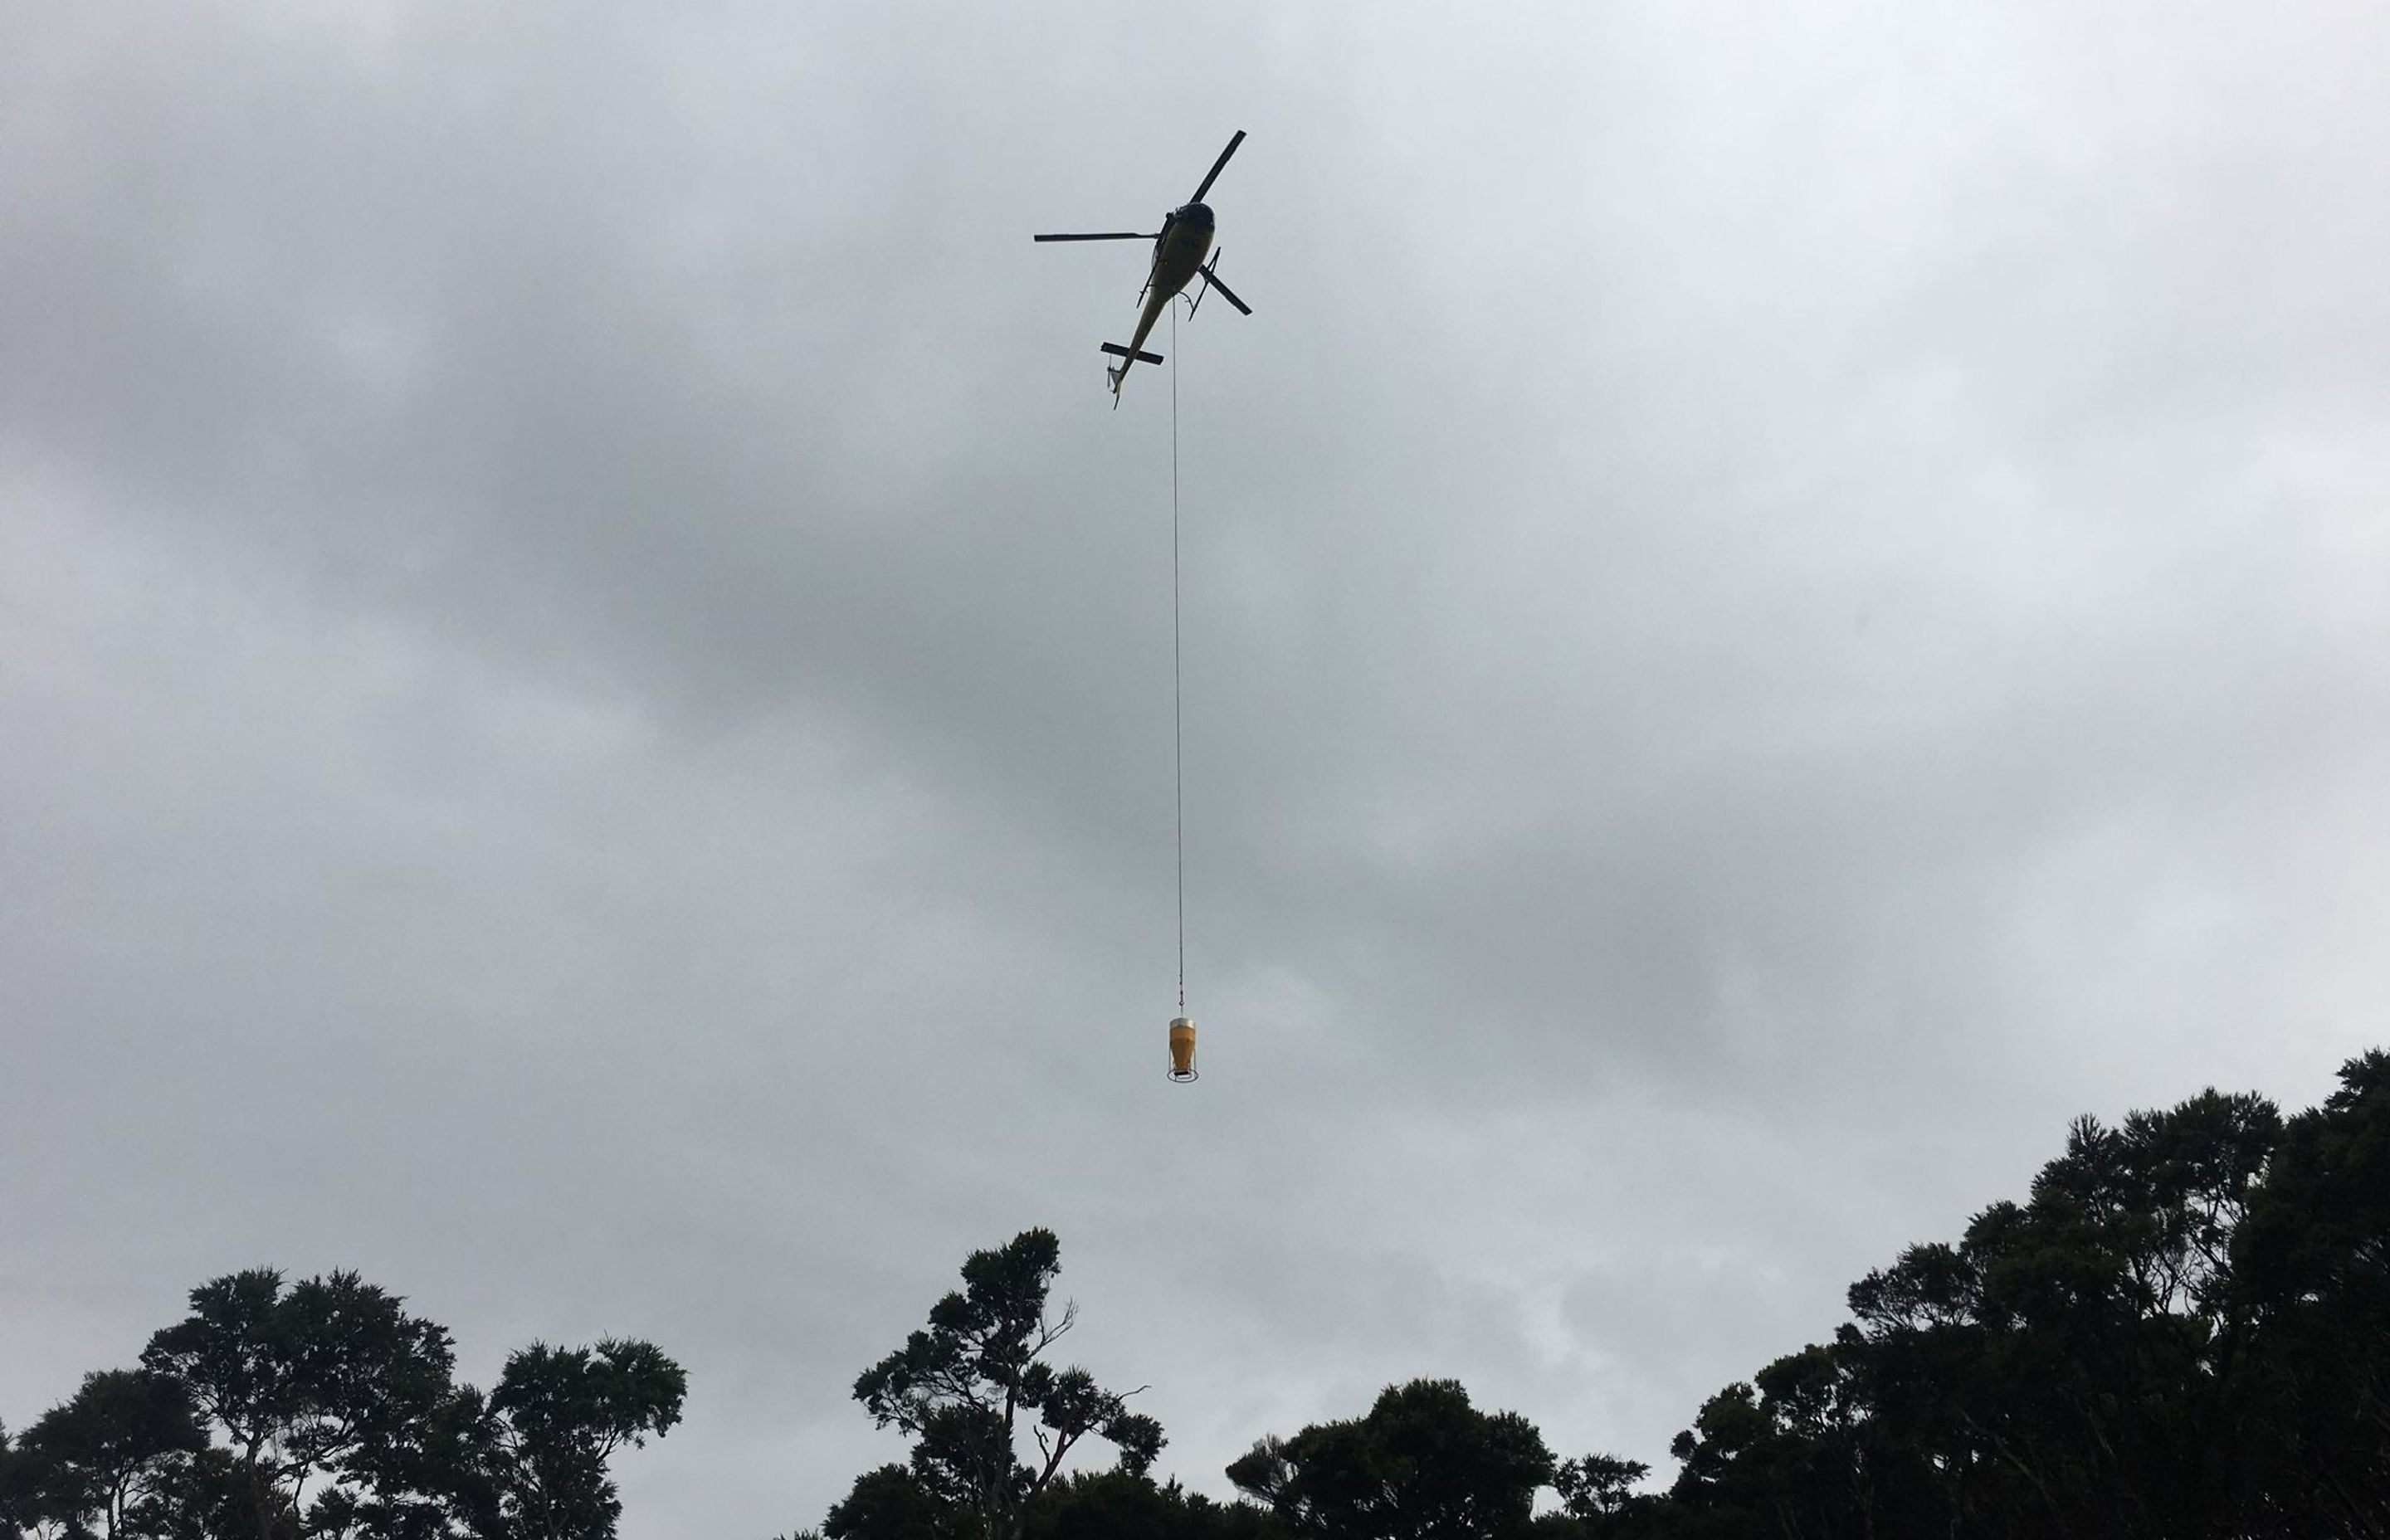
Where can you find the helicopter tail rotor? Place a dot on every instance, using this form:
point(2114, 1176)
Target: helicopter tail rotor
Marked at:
point(1115, 373)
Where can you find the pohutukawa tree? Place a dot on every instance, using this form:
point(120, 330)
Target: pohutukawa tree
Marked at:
point(975, 1394)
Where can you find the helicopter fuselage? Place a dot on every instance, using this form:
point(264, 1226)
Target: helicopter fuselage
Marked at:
point(1186, 239)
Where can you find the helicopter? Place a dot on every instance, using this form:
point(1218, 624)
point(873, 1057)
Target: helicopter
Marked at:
point(1178, 252)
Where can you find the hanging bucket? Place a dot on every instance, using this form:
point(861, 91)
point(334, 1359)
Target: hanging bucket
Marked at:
point(1182, 1049)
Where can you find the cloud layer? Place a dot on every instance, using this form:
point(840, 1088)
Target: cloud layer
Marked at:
point(1773, 606)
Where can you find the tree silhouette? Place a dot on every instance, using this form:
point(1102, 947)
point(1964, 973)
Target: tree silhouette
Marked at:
point(1423, 1465)
point(556, 1419)
point(328, 1382)
point(966, 1388)
point(2312, 1267)
point(340, 1421)
point(1113, 1505)
point(107, 1460)
point(1597, 1486)
point(2183, 1332)
point(887, 1503)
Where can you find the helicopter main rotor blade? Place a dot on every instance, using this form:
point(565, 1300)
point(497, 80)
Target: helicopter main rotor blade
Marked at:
point(1211, 176)
point(1225, 292)
point(1107, 235)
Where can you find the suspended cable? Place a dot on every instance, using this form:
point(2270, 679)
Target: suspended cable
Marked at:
point(1177, 691)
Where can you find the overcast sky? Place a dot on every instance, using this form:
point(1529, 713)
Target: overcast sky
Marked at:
point(1777, 600)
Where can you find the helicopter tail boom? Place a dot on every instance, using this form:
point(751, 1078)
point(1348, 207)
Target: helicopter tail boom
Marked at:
point(1119, 352)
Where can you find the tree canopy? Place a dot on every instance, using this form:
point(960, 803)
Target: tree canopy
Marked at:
point(2183, 1332)
point(323, 1409)
point(1423, 1465)
point(111, 1460)
point(2180, 1331)
point(968, 1388)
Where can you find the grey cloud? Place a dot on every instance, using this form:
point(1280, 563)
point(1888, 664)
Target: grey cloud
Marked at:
point(1774, 604)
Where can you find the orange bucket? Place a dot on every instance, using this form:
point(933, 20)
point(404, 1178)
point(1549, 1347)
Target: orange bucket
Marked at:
point(1182, 1049)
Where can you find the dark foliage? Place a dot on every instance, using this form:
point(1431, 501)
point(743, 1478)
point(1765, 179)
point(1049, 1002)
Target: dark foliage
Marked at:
point(323, 1411)
point(889, 1504)
point(1597, 1486)
point(967, 1389)
point(2183, 1332)
point(112, 1461)
point(555, 1421)
point(1424, 1463)
point(326, 1385)
point(1118, 1505)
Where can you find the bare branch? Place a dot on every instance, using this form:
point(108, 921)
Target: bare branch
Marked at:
point(1052, 1332)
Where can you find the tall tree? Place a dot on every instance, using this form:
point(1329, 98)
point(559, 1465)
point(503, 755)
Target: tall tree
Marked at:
point(2182, 1332)
point(326, 1383)
point(557, 1418)
point(2312, 1268)
point(969, 1387)
point(341, 1420)
point(105, 1461)
point(1423, 1465)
